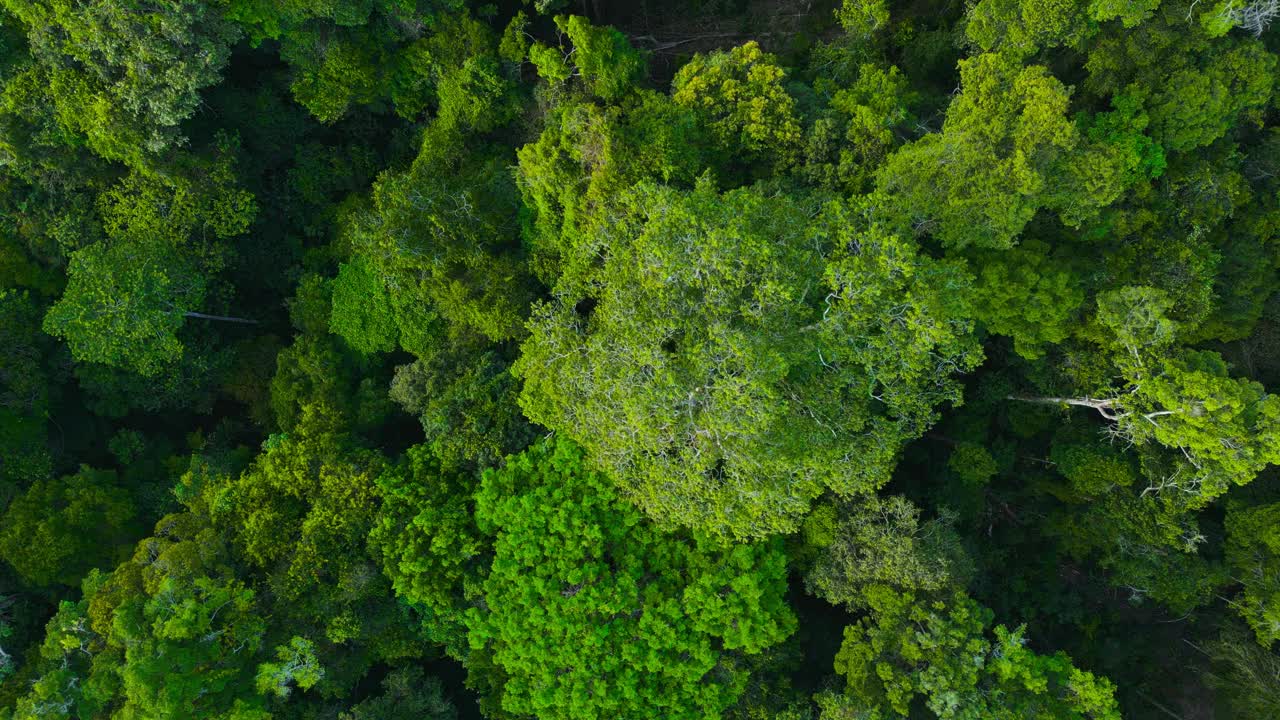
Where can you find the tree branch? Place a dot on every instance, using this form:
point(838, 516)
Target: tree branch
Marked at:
point(222, 318)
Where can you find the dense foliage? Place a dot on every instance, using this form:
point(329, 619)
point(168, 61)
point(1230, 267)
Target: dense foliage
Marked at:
point(741, 359)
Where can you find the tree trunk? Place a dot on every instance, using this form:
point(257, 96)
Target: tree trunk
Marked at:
point(222, 318)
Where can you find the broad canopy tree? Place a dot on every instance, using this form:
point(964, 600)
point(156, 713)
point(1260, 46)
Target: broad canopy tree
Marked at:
point(125, 303)
point(1007, 149)
point(731, 356)
point(126, 74)
point(129, 294)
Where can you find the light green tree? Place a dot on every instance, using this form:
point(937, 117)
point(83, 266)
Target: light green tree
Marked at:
point(1006, 150)
point(166, 635)
point(1253, 554)
point(296, 664)
point(1218, 431)
point(428, 542)
point(1028, 294)
point(740, 95)
point(125, 303)
point(1023, 28)
point(126, 74)
point(591, 612)
point(601, 56)
point(703, 354)
point(1193, 89)
point(442, 240)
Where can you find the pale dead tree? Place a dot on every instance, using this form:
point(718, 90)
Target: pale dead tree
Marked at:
point(1254, 17)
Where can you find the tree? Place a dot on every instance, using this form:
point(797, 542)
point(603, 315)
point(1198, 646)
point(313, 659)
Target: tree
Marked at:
point(1129, 14)
point(125, 303)
point(698, 365)
point(477, 96)
point(125, 75)
point(27, 389)
point(405, 692)
point(862, 18)
point(296, 664)
point(467, 401)
point(362, 313)
point(1245, 673)
point(167, 634)
point(1193, 90)
point(301, 514)
point(1222, 430)
point(982, 179)
point(859, 128)
point(740, 97)
point(441, 240)
point(1254, 17)
point(882, 542)
point(127, 296)
point(345, 54)
point(587, 155)
point(1152, 548)
point(1027, 294)
point(430, 547)
point(1092, 465)
point(607, 63)
point(1022, 29)
point(59, 529)
point(315, 372)
point(1253, 553)
point(591, 612)
point(939, 649)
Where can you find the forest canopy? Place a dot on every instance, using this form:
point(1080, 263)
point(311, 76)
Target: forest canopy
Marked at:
point(688, 359)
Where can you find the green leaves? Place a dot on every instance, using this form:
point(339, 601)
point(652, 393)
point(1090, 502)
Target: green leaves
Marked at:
point(167, 634)
point(61, 528)
point(980, 180)
point(428, 543)
point(440, 240)
point(1027, 294)
point(1223, 430)
point(467, 401)
point(740, 96)
point(126, 74)
point(591, 612)
point(883, 542)
point(1022, 28)
point(406, 691)
point(128, 296)
point(674, 374)
point(124, 304)
point(1193, 90)
point(296, 664)
point(911, 646)
point(696, 365)
point(665, 341)
point(1253, 551)
point(607, 62)
point(362, 312)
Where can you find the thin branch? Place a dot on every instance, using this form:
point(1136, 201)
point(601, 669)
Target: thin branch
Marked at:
point(223, 318)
